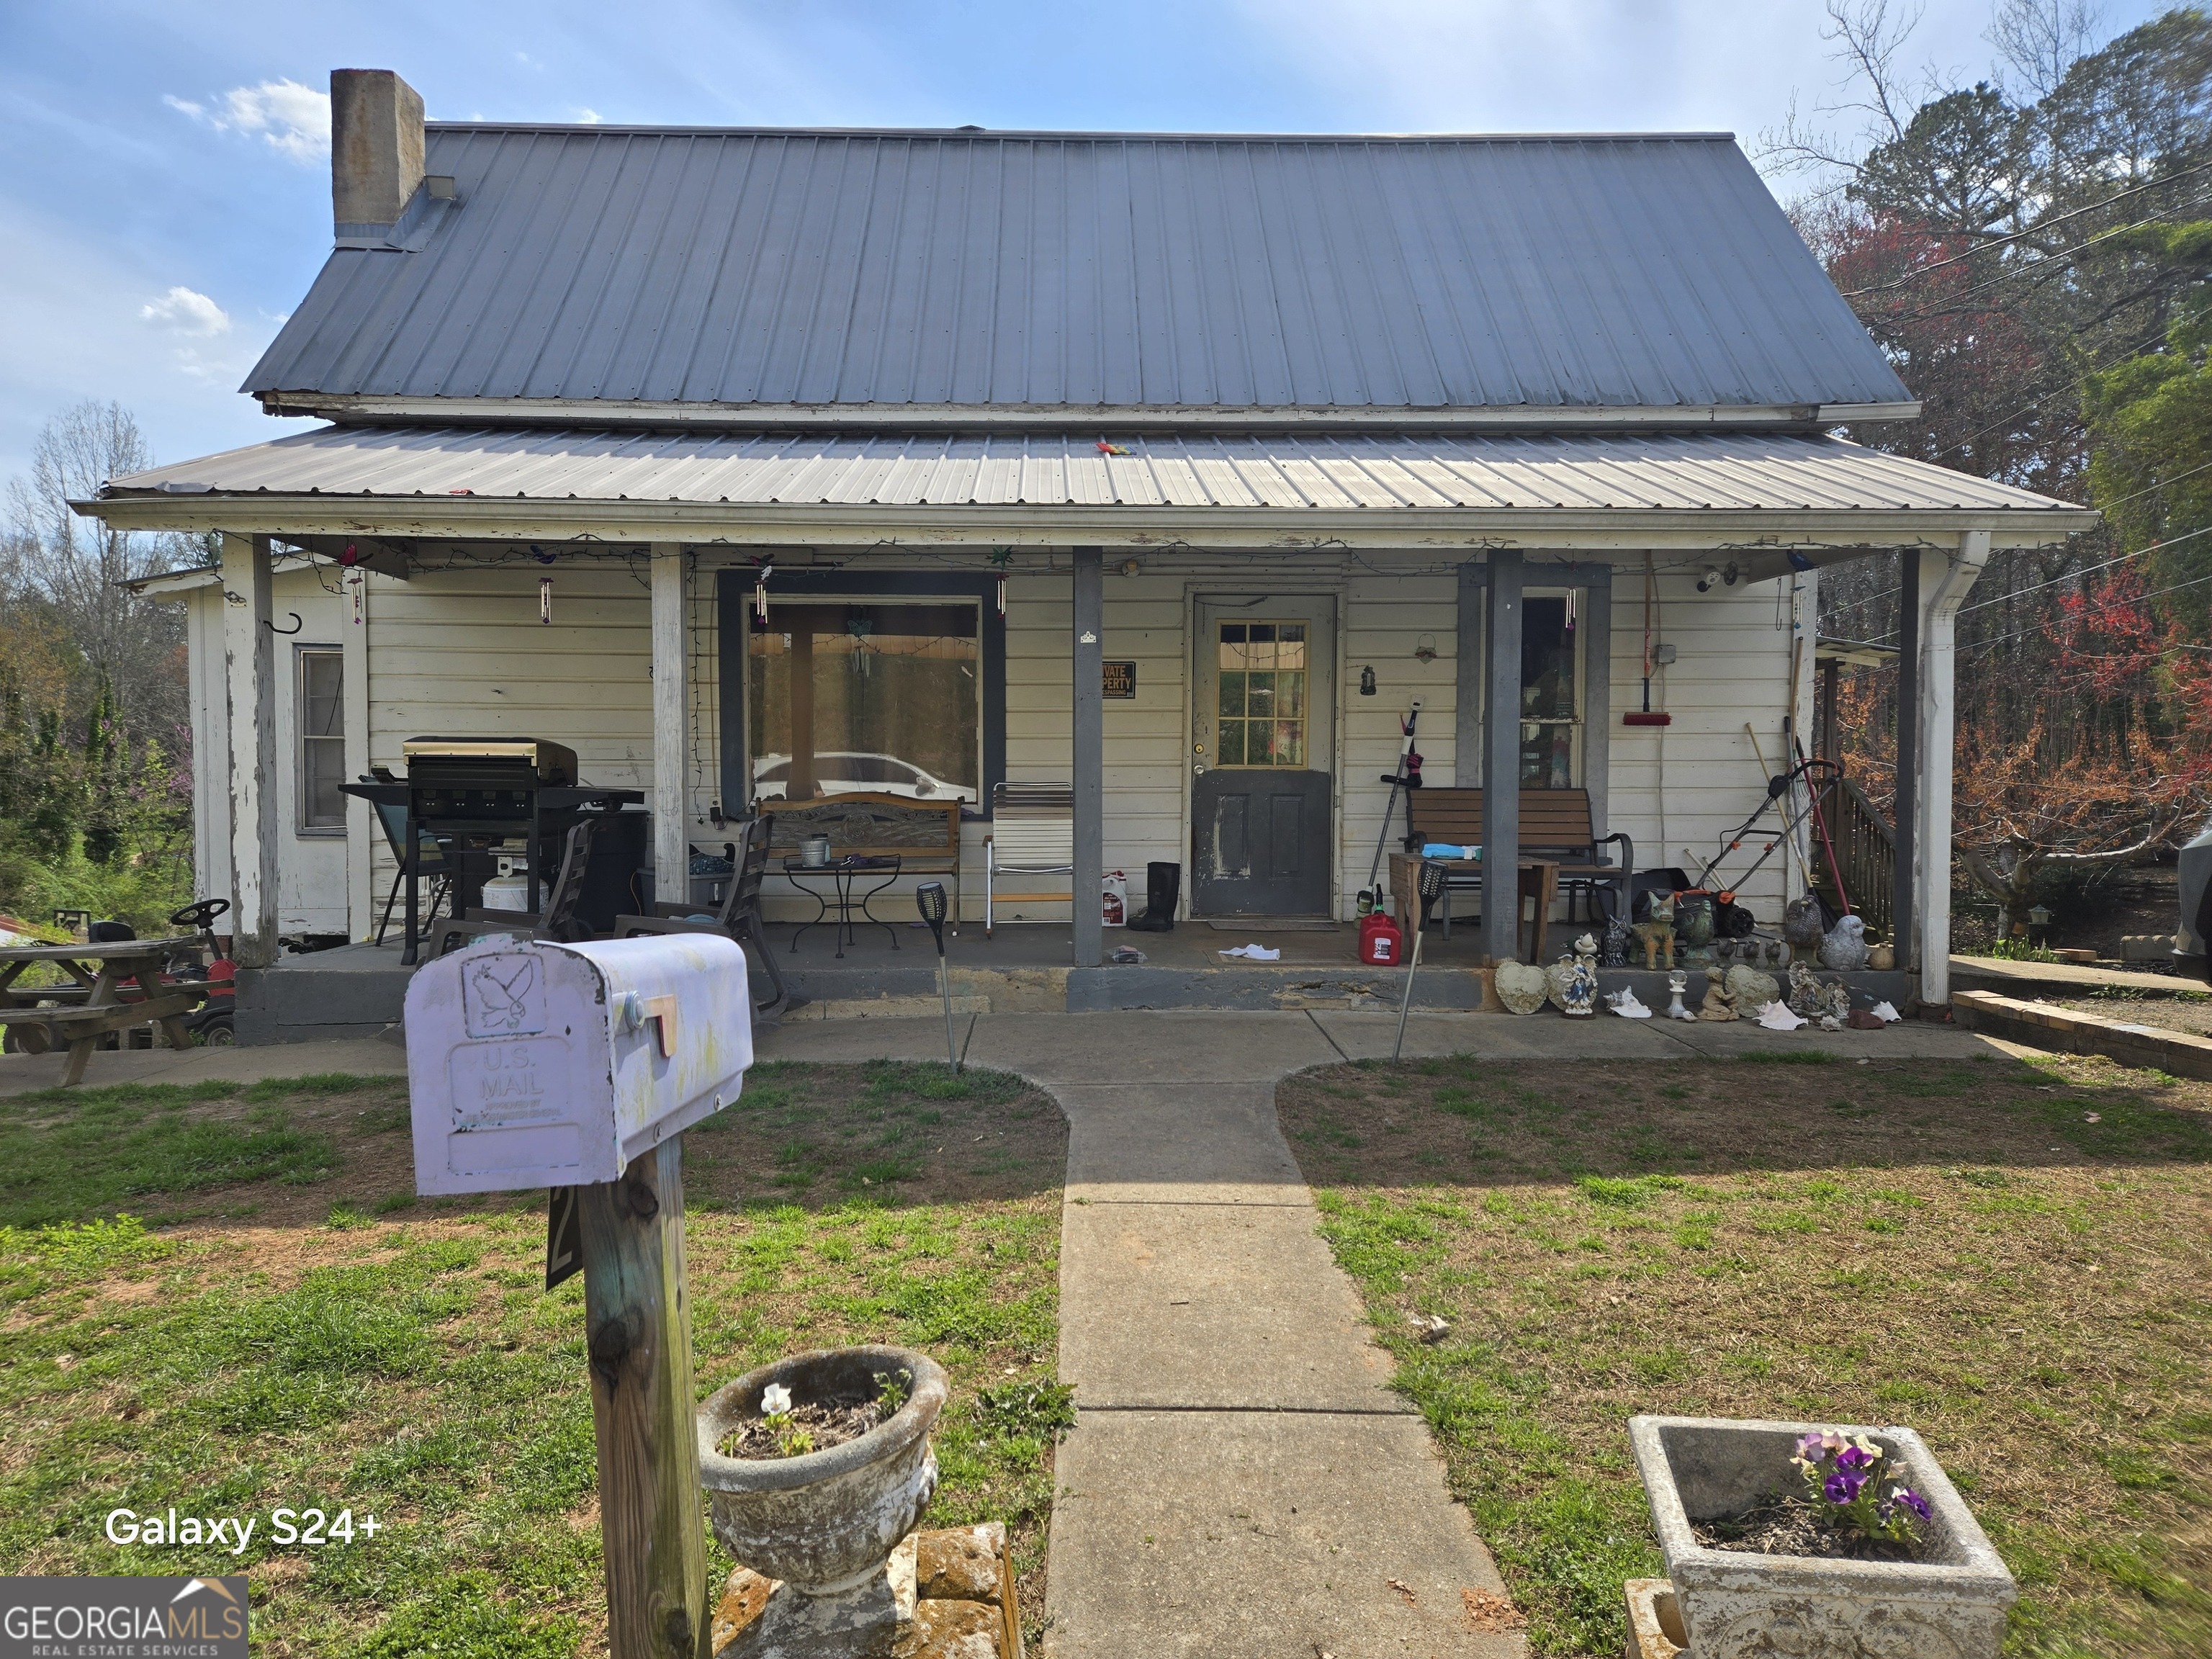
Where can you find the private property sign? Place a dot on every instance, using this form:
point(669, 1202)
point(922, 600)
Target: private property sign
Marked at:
point(1120, 679)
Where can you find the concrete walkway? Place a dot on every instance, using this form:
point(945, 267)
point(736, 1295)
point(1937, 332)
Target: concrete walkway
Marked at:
point(1242, 1484)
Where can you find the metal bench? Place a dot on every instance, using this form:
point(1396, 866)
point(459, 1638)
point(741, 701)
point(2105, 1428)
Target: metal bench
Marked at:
point(924, 836)
point(1555, 827)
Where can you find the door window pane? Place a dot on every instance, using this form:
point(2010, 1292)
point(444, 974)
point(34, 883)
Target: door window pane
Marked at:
point(319, 712)
point(874, 697)
point(1260, 704)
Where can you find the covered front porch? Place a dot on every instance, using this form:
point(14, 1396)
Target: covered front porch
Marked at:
point(620, 595)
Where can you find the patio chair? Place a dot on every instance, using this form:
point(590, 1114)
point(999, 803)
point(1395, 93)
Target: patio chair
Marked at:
point(1032, 834)
point(431, 860)
point(556, 922)
point(738, 917)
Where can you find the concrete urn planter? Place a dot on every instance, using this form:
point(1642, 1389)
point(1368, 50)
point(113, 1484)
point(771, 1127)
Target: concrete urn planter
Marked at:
point(824, 1523)
point(1739, 1605)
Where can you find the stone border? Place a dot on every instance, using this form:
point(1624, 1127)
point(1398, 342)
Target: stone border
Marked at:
point(2065, 1030)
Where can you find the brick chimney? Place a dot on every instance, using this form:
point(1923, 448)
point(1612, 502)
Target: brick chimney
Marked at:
point(376, 149)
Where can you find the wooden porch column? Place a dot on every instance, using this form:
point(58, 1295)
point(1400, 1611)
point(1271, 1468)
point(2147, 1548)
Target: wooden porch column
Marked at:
point(1944, 587)
point(249, 651)
point(1501, 759)
point(1090, 760)
point(672, 731)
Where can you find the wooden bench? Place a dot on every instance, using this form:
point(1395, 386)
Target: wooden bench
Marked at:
point(1555, 827)
point(924, 836)
point(82, 1028)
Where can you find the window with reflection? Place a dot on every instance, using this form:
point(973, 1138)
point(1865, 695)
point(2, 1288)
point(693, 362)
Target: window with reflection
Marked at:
point(866, 695)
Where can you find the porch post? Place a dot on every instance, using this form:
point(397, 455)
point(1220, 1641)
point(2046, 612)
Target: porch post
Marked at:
point(672, 839)
point(1501, 759)
point(1944, 587)
point(249, 650)
point(1090, 756)
point(1905, 810)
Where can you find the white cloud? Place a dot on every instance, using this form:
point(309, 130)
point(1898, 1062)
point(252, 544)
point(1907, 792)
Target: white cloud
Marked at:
point(187, 312)
point(292, 119)
point(590, 117)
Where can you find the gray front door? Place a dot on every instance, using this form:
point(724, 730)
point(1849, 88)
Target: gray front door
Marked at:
point(1263, 692)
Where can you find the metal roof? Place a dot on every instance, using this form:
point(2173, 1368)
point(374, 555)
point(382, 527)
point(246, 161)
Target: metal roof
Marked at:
point(1690, 472)
point(868, 275)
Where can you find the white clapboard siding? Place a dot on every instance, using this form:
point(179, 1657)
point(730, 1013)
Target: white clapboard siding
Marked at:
point(1386, 619)
point(1699, 777)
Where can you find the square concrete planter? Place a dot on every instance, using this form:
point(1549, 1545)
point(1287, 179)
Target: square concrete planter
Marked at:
point(1736, 1605)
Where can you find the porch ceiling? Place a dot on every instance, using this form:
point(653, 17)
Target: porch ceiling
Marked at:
point(1703, 488)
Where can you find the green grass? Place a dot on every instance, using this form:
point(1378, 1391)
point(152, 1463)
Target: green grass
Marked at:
point(2016, 1261)
point(312, 1337)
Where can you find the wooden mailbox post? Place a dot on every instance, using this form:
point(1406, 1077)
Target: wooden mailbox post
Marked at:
point(577, 1067)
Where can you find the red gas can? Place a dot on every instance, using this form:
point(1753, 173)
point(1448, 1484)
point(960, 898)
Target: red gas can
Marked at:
point(1382, 945)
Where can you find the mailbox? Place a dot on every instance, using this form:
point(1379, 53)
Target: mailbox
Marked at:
point(533, 1063)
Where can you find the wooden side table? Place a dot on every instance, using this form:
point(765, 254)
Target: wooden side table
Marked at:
point(1539, 882)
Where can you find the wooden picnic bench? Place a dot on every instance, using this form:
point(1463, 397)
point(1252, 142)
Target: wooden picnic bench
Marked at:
point(88, 1010)
point(924, 836)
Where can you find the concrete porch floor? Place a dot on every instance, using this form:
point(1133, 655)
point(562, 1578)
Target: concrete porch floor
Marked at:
point(891, 972)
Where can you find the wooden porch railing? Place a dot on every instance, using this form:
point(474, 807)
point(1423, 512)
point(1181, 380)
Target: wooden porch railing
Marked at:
point(1865, 847)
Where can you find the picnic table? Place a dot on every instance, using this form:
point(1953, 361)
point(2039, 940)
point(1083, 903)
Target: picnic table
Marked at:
point(96, 1002)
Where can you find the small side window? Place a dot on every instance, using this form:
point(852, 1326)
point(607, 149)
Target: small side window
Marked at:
point(321, 721)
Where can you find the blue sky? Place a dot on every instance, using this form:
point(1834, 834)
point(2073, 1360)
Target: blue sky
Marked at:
point(166, 198)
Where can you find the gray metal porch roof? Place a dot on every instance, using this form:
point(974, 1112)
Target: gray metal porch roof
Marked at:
point(1586, 473)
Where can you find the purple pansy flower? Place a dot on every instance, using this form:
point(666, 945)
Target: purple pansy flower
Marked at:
point(1913, 1501)
point(1853, 1459)
point(1808, 1446)
point(1842, 1488)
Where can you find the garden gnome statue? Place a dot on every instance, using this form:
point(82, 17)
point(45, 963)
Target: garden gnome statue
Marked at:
point(1655, 933)
point(1580, 1001)
point(1719, 1003)
point(1844, 949)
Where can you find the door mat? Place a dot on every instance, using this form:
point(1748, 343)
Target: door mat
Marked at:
point(1273, 925)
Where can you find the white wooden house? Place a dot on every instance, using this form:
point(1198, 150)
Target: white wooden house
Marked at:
point(1501, 424)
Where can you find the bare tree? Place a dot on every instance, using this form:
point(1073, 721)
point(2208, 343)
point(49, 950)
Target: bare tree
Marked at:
point(74, 568)
point(1868, 37)
point(2043, 38)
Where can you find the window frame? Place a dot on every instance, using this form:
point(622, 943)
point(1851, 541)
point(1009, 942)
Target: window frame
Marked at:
point(733, 596)
point(302, 740)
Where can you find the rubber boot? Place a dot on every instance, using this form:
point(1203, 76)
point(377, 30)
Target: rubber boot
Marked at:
point(1163, 886)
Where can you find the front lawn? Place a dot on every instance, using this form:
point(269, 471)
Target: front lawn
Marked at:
point(2014, 1260)
point(229, 1300)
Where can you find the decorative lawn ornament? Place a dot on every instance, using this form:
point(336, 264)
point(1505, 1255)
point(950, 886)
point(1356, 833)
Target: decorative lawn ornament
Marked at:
point(1521, 986)
point(1719, 1005)
point(1844, 949)
point(1750, 987)
point(1655, 933)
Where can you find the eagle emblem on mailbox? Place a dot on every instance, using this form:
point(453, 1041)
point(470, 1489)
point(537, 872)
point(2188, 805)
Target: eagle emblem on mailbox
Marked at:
point(502, 996)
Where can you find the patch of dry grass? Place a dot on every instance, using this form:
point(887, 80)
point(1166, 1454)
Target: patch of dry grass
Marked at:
point(2013, 1259)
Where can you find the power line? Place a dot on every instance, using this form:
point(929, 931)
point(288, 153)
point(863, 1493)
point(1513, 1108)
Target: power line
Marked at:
point(2020, 633)
point(1915, 275)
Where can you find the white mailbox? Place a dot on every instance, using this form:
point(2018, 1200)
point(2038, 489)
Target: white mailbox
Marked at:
point(531, 1064)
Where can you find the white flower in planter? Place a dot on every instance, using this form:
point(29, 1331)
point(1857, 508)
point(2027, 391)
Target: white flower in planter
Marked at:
point(775, 1399)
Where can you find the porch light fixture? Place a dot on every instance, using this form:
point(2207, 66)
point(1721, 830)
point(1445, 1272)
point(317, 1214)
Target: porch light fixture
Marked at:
point(546, 600)
point(1717, 576)
point(1367, 681)
point(1131, 568)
